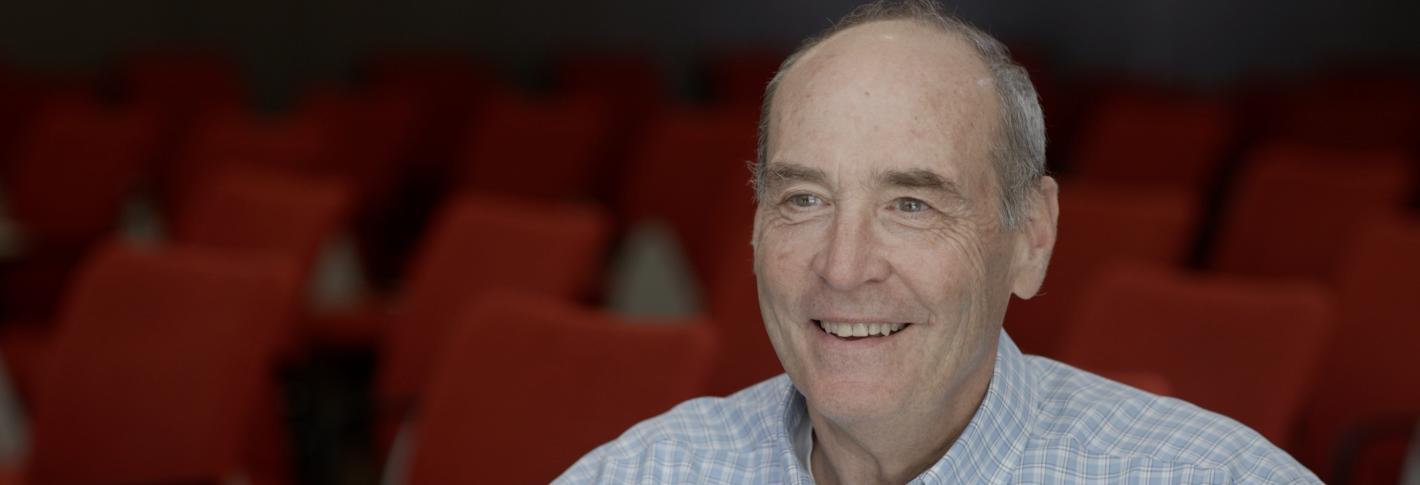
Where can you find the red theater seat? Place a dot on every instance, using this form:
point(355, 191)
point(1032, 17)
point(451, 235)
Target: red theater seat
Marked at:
point(445, 87)
point(183, 83)
point(689, 171)
point(1357, 110)
point(634, 82)
point(65, 187)
point(740, 77)
point(1155, 139)
point(548, 149)
point(159, 361)
point(745, 355)
point(1101, 224)
point(1246, 349)
point(1370, 372)
point(264, 211)
point(75, 166)
point(475, 245)
point(243, 139)
point(1294, 207)
point(525, 386)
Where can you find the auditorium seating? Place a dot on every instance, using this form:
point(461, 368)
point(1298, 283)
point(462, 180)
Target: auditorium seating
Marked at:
point(1288, 209)
point(159, 362)
point(480, 243)
point(182, 84)
point(1101, 224)
point(745, 354)
point(303, 145)
point(446, 87)
point(634, 82)
point(74, 167)
point(246, 209)
point(1243, 348)
point(1293, 207)
point(1154, 138)
point(550, 149)
point(1366, 386)
point(524, 386)
point(1358, 108)
point(690, 172)
point(739, 77)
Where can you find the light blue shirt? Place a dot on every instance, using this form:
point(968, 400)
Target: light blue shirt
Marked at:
point(1041, 422)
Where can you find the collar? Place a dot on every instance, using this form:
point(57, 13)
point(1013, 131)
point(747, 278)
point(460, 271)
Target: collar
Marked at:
point(991, 444)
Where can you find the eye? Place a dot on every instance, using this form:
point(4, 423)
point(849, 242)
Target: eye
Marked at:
point(910, 205)
point(804, 201)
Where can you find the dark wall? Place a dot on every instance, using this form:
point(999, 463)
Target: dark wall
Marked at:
point(284, 42)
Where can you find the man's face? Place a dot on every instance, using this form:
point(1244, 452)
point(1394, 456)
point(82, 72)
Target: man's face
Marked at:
point(881, 214)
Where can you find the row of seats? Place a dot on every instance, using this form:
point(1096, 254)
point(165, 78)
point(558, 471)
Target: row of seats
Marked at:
point(232, 181)
point(175, 343)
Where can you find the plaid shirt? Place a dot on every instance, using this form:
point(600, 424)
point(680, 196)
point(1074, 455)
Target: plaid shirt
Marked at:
point(1041, 422)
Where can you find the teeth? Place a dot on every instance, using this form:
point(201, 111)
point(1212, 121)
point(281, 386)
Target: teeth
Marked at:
point(861, 329)
point(843, 330)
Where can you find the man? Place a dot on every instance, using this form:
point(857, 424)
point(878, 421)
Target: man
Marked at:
point(902, 200)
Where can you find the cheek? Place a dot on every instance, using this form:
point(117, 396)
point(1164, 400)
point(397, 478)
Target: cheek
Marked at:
point(783, 251)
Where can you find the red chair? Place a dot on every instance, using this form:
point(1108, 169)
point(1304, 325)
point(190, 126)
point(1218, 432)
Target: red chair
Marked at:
point(1294, 206)
point(745, 356)
point(241, 139)
point(479, 244)
point(159, 361)
point(75, 166)
point(445, 87)
point(183, 83)
point(264, 211)
point(547, 369)
point(1370, 372)
point(1246, 349)
point(1353, 110)
point(65, 187)
point(690, 172)
point(549, 149)
point(1155, 139)
point(634, 82)
point(374, 136)
point(740, 77)
point(1101, 224)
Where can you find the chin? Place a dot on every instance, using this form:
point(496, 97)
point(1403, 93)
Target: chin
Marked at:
point(847, 398)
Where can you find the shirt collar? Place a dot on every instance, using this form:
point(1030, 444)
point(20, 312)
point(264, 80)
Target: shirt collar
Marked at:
point(991, 445)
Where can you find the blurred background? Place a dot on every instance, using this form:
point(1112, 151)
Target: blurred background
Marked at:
point(442, 242)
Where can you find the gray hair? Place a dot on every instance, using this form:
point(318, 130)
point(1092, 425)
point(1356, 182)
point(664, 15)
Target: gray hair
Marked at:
point(1017, 154)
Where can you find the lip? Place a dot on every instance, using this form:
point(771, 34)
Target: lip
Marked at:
point(835, 342)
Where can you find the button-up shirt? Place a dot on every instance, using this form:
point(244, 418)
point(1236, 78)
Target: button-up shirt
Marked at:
point(1041, 422)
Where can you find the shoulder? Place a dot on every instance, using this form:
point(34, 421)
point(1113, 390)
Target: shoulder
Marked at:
point(1112, 425)
point(706, 439)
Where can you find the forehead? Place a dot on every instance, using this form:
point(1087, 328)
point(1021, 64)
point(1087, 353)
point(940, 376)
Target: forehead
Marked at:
point(894, 94)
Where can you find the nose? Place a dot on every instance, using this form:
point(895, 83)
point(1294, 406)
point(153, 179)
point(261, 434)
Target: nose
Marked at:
point(851, 256)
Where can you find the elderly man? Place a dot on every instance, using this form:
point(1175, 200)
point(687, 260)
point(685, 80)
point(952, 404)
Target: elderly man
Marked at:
point(902, 200)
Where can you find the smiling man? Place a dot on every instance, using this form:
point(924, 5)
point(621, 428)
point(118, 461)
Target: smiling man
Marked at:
point(902, 201)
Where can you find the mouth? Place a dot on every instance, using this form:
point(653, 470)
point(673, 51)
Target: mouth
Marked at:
point(860, 330)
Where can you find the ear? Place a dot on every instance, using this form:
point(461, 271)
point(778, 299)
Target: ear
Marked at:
point(1035, 239)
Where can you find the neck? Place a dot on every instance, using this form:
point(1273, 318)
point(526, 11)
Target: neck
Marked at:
point(898, 448)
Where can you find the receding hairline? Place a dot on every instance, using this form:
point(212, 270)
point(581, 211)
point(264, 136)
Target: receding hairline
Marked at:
point(1018, 145)
point(958, 39)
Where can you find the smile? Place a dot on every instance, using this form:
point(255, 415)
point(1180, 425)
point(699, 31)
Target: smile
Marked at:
point(852, 330)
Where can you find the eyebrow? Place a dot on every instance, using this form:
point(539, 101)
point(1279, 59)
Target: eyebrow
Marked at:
point(920, 179)
point(779, 173)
